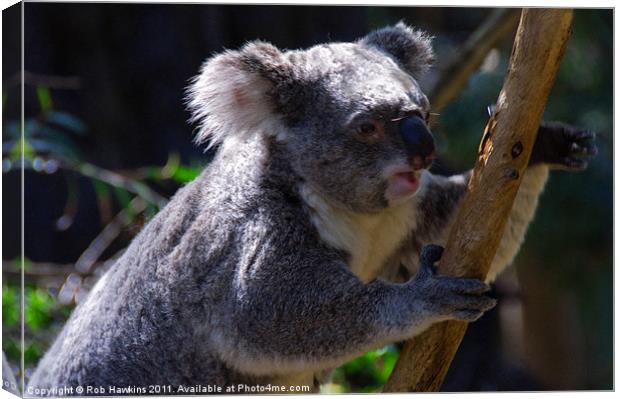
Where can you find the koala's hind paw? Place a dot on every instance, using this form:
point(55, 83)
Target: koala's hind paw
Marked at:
point(563, 146)
point(449, 297)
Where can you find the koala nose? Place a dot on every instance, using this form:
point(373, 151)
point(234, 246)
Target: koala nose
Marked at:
point(418, 141)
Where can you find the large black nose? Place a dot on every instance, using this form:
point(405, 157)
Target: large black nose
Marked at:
point(418, 139)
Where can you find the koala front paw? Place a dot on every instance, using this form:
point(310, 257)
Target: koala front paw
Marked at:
point(445, 297)
point(563, 146)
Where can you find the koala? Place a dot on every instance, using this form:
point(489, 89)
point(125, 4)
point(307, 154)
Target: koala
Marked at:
point(310, 238)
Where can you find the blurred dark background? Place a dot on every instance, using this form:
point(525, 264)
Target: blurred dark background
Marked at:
point(107, 142)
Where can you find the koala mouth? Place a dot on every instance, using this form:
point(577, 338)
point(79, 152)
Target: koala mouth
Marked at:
point(402, 185)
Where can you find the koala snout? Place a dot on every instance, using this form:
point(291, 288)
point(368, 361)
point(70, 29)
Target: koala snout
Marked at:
point(418, 141)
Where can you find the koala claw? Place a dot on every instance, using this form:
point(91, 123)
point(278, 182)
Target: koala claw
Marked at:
point(430, 254)
point(588, 150)
point(577, 134)
point(580, 149)
point(449, 297)
point(563, 146)
point(573, 163)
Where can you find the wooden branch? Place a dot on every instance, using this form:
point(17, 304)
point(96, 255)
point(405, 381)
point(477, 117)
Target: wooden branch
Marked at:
point(116, 180)
point(502, 158)
point(44, 274)
point(106, 237)
point(112, 178)
point(456, 73)
point(49, 81)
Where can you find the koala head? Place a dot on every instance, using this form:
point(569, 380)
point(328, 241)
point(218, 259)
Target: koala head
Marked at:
point(351, 116)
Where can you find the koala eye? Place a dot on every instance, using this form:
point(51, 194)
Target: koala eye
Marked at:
point(370, 131)
point(367, 128)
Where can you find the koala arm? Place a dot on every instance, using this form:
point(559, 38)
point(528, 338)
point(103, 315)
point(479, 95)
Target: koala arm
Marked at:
point(439, 205)
point(557, 146)
point(295, 310)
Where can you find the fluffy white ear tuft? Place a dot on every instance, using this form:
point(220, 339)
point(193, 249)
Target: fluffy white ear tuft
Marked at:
point(231, 95)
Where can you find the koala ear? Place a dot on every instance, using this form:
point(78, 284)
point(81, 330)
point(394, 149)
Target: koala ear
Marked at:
point(232, 95)
point(412, 49)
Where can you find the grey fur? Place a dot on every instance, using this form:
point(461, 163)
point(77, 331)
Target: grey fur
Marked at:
point(412, 49)
point(253, 272)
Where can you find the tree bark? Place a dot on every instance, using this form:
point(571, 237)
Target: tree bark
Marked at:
point(503, 156)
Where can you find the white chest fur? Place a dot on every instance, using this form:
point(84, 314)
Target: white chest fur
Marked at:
point(369, 238)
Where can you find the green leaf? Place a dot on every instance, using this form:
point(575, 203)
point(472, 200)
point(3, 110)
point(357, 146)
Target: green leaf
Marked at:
point(153, 172)
point(66, 121)
point(39, 304)
point(52, 132)
point(11, 348)
point(184, 174)
point(123, 197)
point(150, 211)
point(45, 99)
point(50, 145)
point(60, 142)
point(33, 353)
point(16, 151)
point(101, 189)
point(10, 306)
point(389, 361)
point(373, 368)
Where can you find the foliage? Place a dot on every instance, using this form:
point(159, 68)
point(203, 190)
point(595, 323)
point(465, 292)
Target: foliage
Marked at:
point(49, 146)
point(366, 374)
point(43, 316)
point(10, 306)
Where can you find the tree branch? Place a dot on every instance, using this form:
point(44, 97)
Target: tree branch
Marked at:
point(455, 74)
point(109, 233)
point(49, 81)
point(538, 49)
